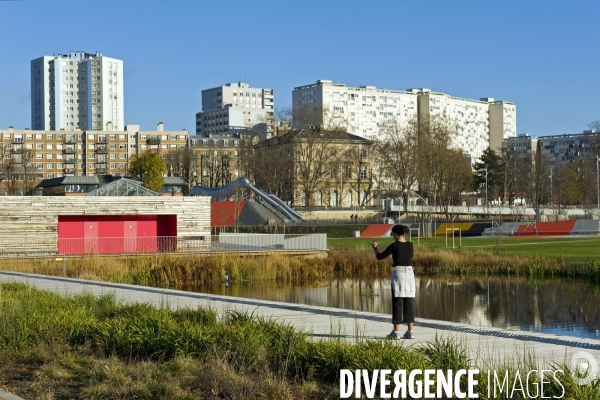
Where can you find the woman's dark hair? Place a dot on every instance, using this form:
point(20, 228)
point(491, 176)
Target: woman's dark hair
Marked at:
point(400, 230)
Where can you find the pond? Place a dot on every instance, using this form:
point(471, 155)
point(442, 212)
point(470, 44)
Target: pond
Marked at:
point(565, 308)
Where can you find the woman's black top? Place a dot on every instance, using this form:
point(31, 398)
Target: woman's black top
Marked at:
point(402, 253)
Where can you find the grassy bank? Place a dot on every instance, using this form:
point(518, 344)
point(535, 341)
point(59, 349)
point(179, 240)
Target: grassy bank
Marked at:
point(95, 348)
point(568, 249)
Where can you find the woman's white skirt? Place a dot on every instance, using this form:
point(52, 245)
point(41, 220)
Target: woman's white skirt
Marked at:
point(403, 282)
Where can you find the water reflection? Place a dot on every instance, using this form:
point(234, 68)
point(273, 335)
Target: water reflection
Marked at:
point(562, 308)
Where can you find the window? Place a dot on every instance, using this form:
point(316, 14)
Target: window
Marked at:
point(39, 146)
point(91, 156)
point(39, 156)
point(113, 156)
point(113, 166)
point(50, 137)
point(122, 156)
point(49, 156)
point(49, 166)
point(122, 166)
point(363, 172)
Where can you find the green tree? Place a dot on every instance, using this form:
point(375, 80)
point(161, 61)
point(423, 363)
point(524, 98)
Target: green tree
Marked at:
point(494, 164)
point(148, 168)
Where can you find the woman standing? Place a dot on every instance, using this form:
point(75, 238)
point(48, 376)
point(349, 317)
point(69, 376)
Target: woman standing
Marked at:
point(403, 281)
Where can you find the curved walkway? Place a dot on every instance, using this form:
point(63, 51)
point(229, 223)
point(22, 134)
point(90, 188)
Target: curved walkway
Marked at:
point(486, 344)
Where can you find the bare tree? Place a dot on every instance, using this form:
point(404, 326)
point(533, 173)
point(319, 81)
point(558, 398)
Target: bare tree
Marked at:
point(271, 167)
point(30, 173)
point(536, 180)
point(359, 159)
point(313, 157)
point(434, 139)
point(183, 163)
point(451, 176)
point(399, 155)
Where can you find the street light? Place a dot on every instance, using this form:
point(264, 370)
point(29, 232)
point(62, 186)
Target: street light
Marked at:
point(598, 183)
point(487, 208)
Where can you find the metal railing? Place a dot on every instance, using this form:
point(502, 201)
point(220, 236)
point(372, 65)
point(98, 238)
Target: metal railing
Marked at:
point(225, 242)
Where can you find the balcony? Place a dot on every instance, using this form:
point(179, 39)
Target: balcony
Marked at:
point(101, 150)
point(70, 141)
point(16, 151)
point(69, 151)
point(101, 140)
point(70, 161)
point(154, 140)
point(69, 170)
point(101, 162)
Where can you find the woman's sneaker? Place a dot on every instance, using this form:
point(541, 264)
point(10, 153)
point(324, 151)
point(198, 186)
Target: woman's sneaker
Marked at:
point(394, 335)
point(408, 335)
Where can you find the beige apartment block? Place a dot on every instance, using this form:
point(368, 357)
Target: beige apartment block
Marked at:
point(52, 154)
point(219, 159)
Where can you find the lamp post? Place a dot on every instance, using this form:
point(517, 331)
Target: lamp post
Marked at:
point(487, 208)
point(598, 183)
point(551, 198)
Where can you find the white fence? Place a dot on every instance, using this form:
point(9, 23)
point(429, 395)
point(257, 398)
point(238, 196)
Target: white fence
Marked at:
point(225, 242)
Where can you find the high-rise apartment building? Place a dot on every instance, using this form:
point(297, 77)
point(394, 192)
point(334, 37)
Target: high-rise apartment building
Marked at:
point(480, 123)
point(361, 109)
point(77, 91)
point(233, 108)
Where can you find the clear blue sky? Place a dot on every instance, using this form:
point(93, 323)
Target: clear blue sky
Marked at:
point(541, 55)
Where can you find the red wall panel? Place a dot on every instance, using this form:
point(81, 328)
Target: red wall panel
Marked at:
point(146, 236)
point(113, 234)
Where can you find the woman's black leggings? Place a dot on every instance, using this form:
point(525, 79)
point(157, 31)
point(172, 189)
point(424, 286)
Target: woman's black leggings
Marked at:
point(402, 306)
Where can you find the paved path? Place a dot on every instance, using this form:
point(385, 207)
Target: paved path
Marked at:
point(485, 344)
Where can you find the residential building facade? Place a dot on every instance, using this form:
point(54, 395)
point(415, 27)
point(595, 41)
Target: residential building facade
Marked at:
point(557, 149)
point(234, 108)
point(328, 168)
point(77, 91)
point(219, 158)
point(363, 110)
point(54, 154)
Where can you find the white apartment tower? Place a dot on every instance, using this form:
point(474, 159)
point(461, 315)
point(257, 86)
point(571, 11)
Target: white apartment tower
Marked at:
point(481, 123)
point(361, 109)
point(77, 91)
point(232, 108)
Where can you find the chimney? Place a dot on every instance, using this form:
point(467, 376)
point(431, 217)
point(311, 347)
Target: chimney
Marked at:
point(160, 127)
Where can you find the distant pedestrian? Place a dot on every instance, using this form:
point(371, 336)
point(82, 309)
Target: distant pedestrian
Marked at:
point(351, 217)
point(355, 217)
point(403, 281)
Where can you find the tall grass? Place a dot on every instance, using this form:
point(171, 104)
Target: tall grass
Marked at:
point(103, 349)
point(192, 271)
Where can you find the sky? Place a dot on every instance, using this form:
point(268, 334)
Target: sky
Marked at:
point(541, 55)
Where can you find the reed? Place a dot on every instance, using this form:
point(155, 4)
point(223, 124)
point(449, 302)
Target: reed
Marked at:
point(94, 347)
point(188, 271)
